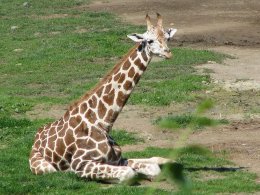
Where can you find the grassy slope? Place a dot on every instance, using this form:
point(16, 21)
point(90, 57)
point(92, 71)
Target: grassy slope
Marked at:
point(46, 59)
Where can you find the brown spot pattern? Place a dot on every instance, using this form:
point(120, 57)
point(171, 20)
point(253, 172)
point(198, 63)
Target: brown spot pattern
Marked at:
point(69, 139)
point(52, 131)
point(108, 88)
point(117, 76)
point(55, 123)
point(60, 147)
point(75, 163)
point(144, 56)
point(128, 85)
point(75, 111)
point(99, 91)
point(79, 152)
point(140, 65)
point(97, 135)
point(66, 116)
point(111, 116)
point(136, 78)
point(56, 158)
point(92, 102)
point(91, 116)
point(62, 133)
point(122, 78)
point(81, 130)
point(126, 65)
point(91, 155)
point(131, 72)
point(52, 140)
point(120, 99)
point(61, 122)
point(101, 110)
point(48, 152)
point(103, 147)
point(73, 122)
point(133, 56)
point(110, 97)
point(83, 108)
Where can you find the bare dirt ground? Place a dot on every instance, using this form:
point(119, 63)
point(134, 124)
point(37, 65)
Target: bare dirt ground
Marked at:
point(231, 27)
point(234, 22)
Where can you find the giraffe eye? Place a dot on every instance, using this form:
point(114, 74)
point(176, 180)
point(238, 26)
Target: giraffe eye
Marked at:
point(150, 41)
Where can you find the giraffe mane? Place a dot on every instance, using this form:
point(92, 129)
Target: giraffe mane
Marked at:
point(105, 78)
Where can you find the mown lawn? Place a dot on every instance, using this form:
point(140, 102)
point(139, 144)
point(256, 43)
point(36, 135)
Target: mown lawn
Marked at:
point(51, 53)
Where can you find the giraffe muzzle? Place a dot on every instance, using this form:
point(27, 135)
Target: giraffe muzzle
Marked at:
point(168, 55)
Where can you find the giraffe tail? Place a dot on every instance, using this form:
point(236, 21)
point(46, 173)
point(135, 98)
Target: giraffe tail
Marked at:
point(38, 164)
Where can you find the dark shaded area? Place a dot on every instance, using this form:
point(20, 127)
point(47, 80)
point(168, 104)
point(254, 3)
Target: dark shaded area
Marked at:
point(217, 169)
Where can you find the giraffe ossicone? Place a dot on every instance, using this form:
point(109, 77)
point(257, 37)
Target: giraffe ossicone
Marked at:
point(80, 142)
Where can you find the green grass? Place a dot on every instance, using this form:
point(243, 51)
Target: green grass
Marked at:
point(194, 120)
point(56, 52)
point(174, 80)
point(16, 177)
point(123, 137)
point(188, 120)
point(47, 59)
point(190, 156)
point(201, 171)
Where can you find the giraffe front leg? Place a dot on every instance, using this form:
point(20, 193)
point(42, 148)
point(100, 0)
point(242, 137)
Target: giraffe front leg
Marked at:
point(156, 160)
point(38, 164)
point(103, 172)
point(149, 166)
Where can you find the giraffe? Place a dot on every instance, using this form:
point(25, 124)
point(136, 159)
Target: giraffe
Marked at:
point(80, 142)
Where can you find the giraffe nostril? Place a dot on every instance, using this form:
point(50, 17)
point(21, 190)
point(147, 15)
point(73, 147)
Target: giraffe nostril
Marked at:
point(167, 50)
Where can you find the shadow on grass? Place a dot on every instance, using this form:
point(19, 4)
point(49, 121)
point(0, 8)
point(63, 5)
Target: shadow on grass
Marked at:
point(217, 169)
point(175, 173)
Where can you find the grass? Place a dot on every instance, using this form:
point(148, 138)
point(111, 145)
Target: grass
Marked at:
point(16, 177)
point(57, 52)
point(190, 156)
point(174, 80)
point(51, 53)
point(123, 137)
point(201, 171)
point(194, 120)
point(200, 168)
point(188, 120)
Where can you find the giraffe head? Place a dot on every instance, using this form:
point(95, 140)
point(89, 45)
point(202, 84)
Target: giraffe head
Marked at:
point(155, 38)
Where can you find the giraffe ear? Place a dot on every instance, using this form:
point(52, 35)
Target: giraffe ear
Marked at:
point(136, 37)
point(170, 32)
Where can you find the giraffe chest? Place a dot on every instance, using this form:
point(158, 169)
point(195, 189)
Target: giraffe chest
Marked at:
point(98, 146)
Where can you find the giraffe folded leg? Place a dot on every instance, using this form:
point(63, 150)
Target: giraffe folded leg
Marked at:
point(149, 166)
point(39, 165)
point(103, 172)
point(156, 160)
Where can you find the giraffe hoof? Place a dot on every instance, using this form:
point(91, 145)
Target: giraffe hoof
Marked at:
point(127, 175)
point(161, 161)
point(150, 171)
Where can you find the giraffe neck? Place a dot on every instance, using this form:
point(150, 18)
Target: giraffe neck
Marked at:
point(102, 105)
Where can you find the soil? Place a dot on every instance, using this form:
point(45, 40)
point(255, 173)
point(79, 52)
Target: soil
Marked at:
point(236, 22)
point(231, 27)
